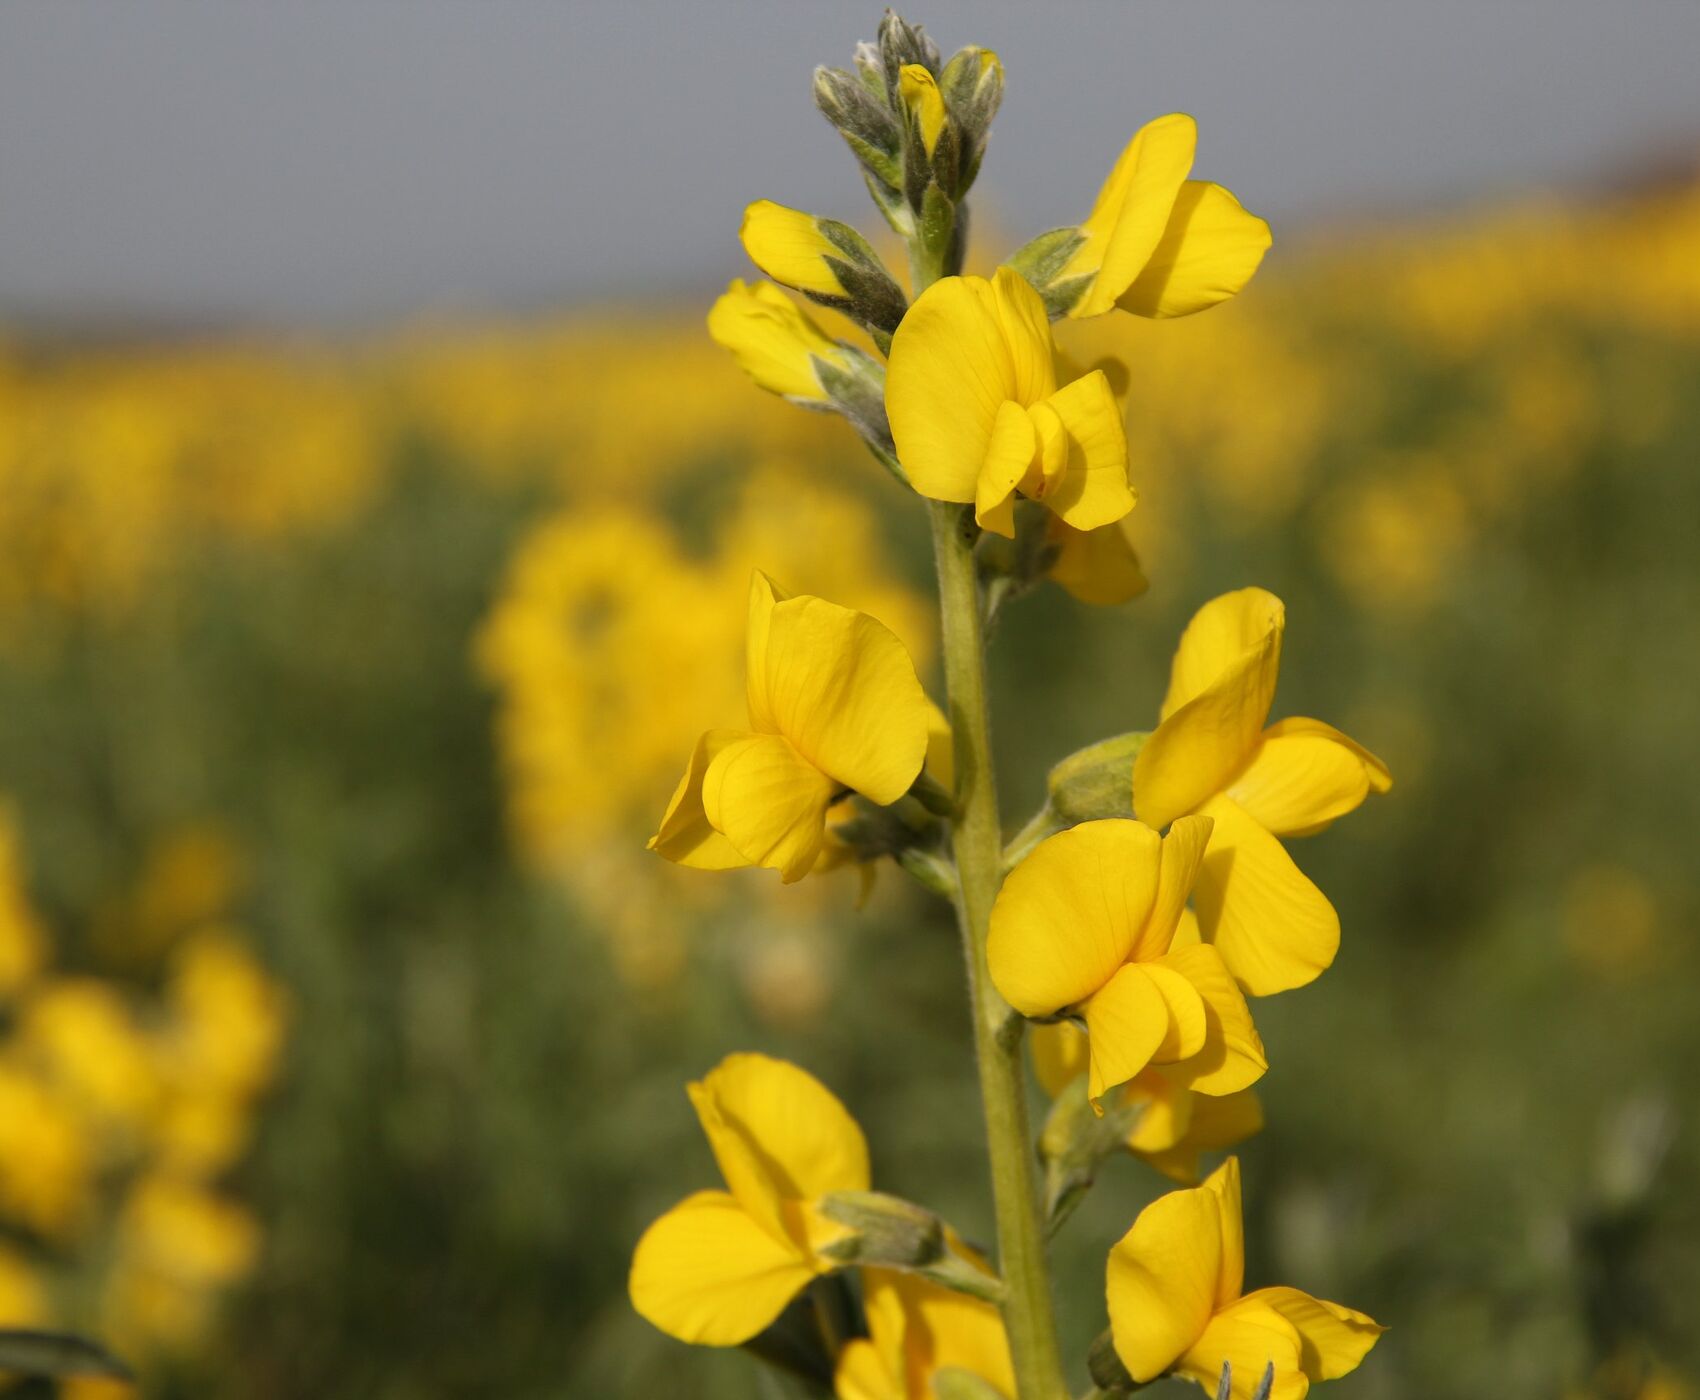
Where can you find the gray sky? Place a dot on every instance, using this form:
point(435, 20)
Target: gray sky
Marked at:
point(344, 162)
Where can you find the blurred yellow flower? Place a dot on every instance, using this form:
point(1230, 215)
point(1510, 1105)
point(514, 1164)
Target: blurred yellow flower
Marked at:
point(46, 1156)
point(23, 1300)
point(82, 1037)
point(23, 945)
point(1087, 923)
point(1211, 754)
point(915, 1330)
point(1175, 1284)
point(721, 1265)
point(834, 706)
point(977, 415)
point(1158, 244)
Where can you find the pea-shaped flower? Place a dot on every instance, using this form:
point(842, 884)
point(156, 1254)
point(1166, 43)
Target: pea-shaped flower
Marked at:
point(977, 415)
point(1086, 925)
point(1156, 243)
point(1174, 1285)
point(721, 1265)
point(774, 342)
point(1211, 754)
point(917, 1329)
point(835, 708)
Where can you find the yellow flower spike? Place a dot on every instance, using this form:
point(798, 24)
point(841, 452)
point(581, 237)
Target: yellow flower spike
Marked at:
point(915, 1330)
point(789, 247)
point(1156, 243)
point(721, 1265)
point(1212, 754)
point(772, 340)
point(925, 103)
point(1174, 1286)
point(976, 414)
point(834, 706)
point(1086, 925)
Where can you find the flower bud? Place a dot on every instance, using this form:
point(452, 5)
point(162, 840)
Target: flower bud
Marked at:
point(1075, 1141)
point(827, 261)
point(902, 43)
point(864, 118)
point(972, 84)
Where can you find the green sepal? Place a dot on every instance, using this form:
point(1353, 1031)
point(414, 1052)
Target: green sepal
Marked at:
point(888, 1232)
point(1105, 1366)
point(857, 391)
point(1074, 1143)
point(1096, 781)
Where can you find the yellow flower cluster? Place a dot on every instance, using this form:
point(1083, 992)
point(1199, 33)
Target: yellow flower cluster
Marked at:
point(120, 1114)
point(1147, 925)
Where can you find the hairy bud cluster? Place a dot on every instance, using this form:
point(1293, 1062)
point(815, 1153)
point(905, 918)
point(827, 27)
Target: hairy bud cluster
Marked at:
point(917, 126)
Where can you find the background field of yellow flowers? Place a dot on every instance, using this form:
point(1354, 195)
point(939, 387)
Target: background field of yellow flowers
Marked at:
point(343, 1015)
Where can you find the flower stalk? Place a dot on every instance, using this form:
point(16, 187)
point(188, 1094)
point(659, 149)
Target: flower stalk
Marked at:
point(978, 842)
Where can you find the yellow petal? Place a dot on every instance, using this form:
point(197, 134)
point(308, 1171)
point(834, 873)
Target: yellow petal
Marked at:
point(1096, 566)
point(1069, 913)
point(1208, 251)
point(1304, 775)
point(1224, 1185)
point(770, 802)
point(789, 247)
point(1059, 1055)
point(1217, 640)
point(1248, 1336)
point(771, 339)
point(1092, 490)
point(1220, 690)
point(841, 688)
point(1132, 210)
point(1232, 1057)
point(707, 1273)
point(941, 748)
point(1225, 1120)
point(861, 1374)
point(1009, 453)
point(779, 1135)
point(944, 1328)
point(1209, 1123)
point(1183, 852)
point(685, 836)
point(965, 347)
point(1161, 1281)
point(920, 93)
point(1273, 927)
point(1332, 1339)
point(1188, 1027)
point(1165, 1113)
point(1127, 1021)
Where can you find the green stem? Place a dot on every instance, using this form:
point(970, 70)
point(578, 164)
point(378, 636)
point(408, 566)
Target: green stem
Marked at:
point(978, 842)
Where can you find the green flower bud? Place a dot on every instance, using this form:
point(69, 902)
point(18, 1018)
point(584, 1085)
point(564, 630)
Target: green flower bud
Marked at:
point(1096, 781)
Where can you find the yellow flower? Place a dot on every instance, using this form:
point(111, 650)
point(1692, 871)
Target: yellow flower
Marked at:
point(915, 1330)
point(1086, 924)
point(1096, 566)
point(1175, 1123)
point(47, 1160)
point(1211, 754)
point(84, 1038)
point(721, 1265)
point(834, 707)
point(1174, 1285)
point(772, 340)
point(977, 416)
point(1158, 244)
